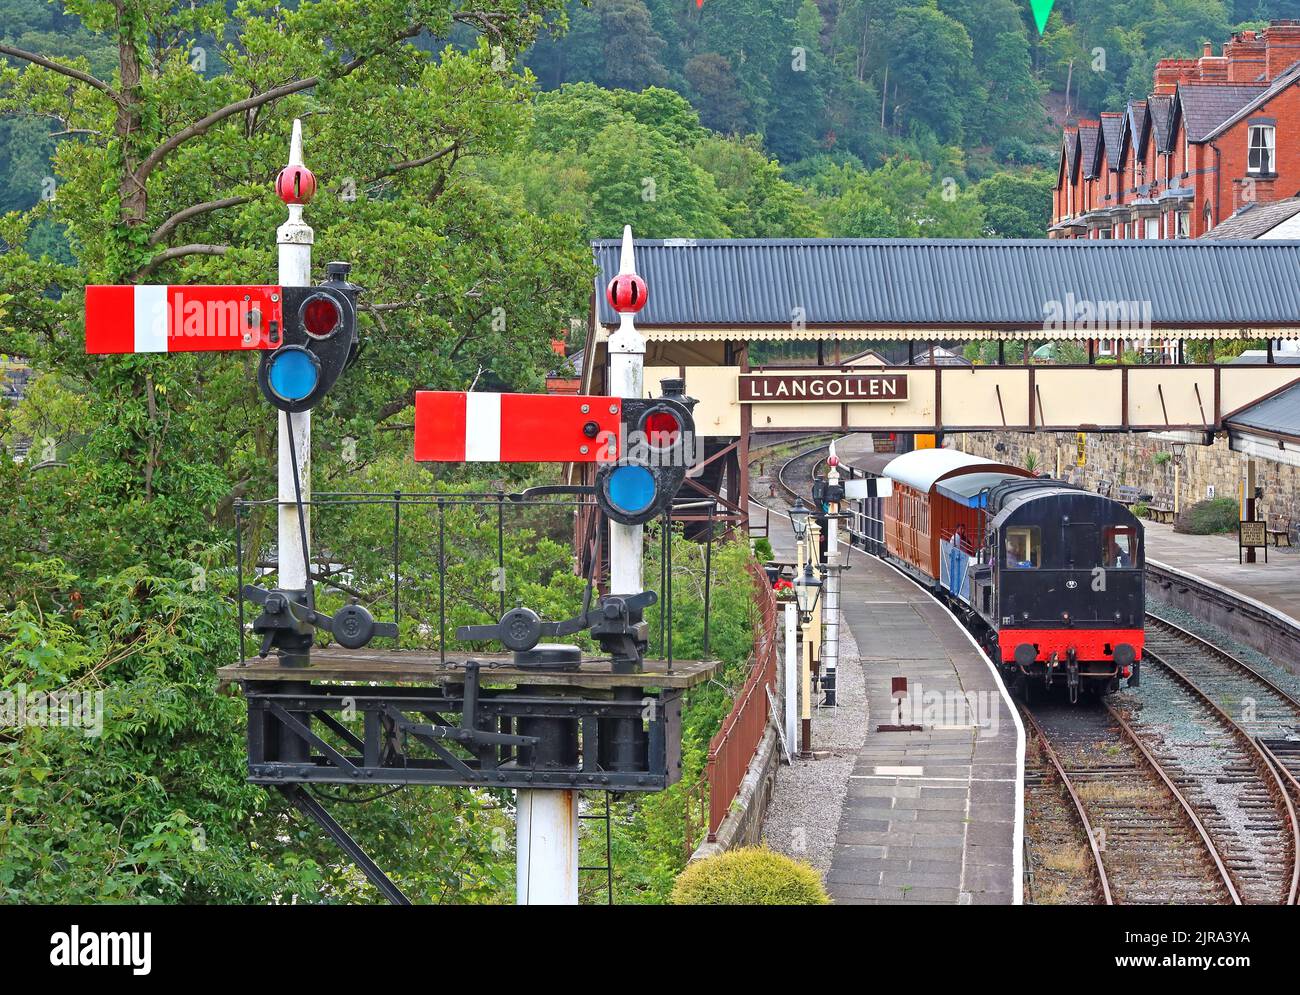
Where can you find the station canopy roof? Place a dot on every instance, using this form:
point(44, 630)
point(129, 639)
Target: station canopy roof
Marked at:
point(1278, 414)
point(1268, 429)
point(919, 289)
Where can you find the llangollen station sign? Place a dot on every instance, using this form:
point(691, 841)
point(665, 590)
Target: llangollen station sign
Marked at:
point(762, 388)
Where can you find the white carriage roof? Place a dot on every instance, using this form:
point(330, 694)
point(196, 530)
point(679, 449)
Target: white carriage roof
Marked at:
point(920, 468)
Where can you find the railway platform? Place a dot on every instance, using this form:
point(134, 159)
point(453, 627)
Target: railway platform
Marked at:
point(1275, 584)
point(933, 816)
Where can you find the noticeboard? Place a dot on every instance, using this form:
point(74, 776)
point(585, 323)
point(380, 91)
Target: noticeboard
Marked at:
point(1252, 535)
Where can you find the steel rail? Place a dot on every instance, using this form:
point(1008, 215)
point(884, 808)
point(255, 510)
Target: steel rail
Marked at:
point(1265, 761)
point(791, 495)
point(1182, 799)
point(1226, 657)
point(1097, 862)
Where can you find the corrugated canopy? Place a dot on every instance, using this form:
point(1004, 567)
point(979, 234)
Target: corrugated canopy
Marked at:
point(960, 290)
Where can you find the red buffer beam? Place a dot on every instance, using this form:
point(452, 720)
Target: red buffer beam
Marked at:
point(156, 318)
point(459, 427)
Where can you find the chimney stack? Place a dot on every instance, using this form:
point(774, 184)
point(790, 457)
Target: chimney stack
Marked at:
point(1212, 68)
point(1170, 72)
point(1282, 46)
point(1247, 58)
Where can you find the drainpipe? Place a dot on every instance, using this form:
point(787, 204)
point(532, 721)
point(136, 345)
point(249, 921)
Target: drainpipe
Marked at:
point(1218, 179)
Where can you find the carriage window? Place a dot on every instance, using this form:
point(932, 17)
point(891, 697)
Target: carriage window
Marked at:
point(1119, 547)
point(1023, 547)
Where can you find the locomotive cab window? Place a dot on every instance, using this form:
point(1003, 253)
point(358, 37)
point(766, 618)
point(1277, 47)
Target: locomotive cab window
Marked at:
point(1023, 547)
point(1119, 547)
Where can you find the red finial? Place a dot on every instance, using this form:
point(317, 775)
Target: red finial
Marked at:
point(295, 184)
point(626, 293)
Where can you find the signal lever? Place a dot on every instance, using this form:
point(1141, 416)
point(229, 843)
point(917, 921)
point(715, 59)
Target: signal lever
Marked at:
point(616, 623)
point(288, 624)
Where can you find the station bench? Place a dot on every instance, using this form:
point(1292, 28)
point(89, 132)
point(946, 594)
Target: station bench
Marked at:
point(1129, 495)
point(1161, 513)
point(1280, 536)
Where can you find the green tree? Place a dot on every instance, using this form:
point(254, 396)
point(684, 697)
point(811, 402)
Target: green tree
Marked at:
point(717, 93)
point(167, 179)
point(759, 202)
point(1016, 205)
point(797, 123)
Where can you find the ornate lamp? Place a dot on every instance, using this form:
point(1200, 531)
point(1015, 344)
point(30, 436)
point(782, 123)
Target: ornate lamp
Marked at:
point(799, 519)
point(807, 589)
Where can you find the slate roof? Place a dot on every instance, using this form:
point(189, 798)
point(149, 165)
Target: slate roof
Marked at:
point(1265, 93)
point(1160, 106)
point(1205, 106)
point(929, 283)
point(1088, 148)
point(1112, 136)
point(1279, 414)
point(1254, 220)
point(1139, 122)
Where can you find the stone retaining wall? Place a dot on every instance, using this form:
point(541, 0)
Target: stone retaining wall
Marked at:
point(1146, 462)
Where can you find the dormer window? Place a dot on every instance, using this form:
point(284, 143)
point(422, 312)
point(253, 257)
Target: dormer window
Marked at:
point(1262, 158)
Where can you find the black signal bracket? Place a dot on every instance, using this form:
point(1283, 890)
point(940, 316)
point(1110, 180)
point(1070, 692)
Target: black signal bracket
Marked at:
point(616, 622)
point(288, 624)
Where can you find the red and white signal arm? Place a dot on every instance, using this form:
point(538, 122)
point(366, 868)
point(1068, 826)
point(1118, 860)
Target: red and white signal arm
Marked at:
point(460, 427)
point(156, 318)
point(869, 487)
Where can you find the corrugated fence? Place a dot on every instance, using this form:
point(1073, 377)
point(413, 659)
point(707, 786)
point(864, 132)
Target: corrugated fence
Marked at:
point(734, 745)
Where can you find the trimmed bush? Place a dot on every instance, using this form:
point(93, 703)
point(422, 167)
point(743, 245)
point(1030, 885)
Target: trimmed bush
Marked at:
point(1210, 517)
point(749, 876)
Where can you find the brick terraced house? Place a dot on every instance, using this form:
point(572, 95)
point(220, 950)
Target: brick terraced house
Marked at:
point(1218, 134)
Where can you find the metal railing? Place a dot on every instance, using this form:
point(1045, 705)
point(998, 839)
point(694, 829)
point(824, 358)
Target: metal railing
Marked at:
point(732, 749)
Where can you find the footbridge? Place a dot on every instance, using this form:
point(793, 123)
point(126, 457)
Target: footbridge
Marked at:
point(719, 307)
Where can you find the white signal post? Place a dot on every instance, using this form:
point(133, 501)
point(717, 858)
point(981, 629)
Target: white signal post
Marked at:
point(294, 240)
point(626, 379)
point(546, 822)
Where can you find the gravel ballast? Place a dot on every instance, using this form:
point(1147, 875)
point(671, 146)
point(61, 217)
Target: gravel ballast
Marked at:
point(804, 815)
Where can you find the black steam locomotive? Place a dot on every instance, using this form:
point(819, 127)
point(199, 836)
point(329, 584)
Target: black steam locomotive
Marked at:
point(1048, 576)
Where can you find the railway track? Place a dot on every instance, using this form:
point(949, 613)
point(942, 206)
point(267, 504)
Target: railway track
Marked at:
point(1136, 838)
point(1192, 800)
point(799, 471)
point(1255, 792)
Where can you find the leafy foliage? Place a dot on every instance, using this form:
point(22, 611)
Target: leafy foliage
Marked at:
point(1210, 517)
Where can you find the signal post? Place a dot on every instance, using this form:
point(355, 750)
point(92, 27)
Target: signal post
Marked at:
point(551, 724)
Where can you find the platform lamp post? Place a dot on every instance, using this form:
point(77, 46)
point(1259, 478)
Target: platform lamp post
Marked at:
point(807, 589)
point(799, 522)
point(1180, 452)
point(814, 561)
point(799, 515)
point(831, 645)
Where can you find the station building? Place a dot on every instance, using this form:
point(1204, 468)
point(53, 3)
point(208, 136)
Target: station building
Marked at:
point(1215, 135)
